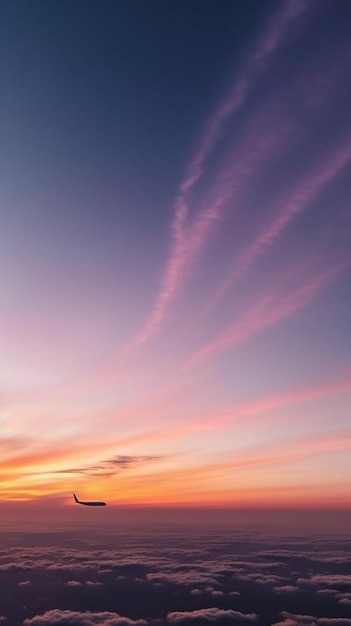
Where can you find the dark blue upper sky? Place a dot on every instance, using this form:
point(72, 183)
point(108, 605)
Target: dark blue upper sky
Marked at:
point(96, 94)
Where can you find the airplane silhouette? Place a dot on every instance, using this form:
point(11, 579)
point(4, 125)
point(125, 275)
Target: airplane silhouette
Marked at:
point(88, 503)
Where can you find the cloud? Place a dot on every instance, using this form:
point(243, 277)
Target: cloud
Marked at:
point(234, 593)
point(73, 583)
point(292, 619)
point(23, 459)
point(188, 577)
point(13, 567)
point(108, 467)
point(186, 242)
point(331, 580)
point(334, 621)
point(286, 589)
point(323, 592)
point(197, 569)
point(56, 617)
point(128, 460)
point(217, 593)
point(24, 583)
point(282, 213)
point(275, 304)
point(344, 596)
point(204, 616)
point(268, 404)
point(265, 579)
point(249, 409)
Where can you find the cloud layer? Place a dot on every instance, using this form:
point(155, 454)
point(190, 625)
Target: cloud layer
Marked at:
point(246, 572)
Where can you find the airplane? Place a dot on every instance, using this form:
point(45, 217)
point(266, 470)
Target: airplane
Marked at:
point(88, 503)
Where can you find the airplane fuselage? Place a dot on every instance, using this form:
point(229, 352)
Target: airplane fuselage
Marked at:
point(88, 503)
point(92, 503)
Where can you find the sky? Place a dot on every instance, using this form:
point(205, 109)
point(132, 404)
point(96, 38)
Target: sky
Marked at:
point(174, 253)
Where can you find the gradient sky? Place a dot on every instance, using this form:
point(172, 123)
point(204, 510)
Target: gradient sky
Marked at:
point(175, 255)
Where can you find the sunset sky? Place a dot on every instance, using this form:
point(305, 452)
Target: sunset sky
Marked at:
point(175, 255)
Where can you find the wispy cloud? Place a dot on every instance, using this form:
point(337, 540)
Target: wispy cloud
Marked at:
point(186, 241)
point(282, 213)
point(253, 70)
point(108, 467)
point(270, 308)
point(265, 404)
point(37, 468)
point(276, 454)
point(228, 477)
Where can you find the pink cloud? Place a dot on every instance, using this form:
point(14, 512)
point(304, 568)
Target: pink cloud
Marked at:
point(266, 404)
point(285, 210)
point(259, 147)
point(270, 308)
point(104, 618)
point(254, 68)
point(246, 409)
point(280, 452)
point(210, 615)
point(291, 619)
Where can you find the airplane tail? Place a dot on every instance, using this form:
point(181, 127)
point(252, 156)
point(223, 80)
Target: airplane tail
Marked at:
point(75, 497)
